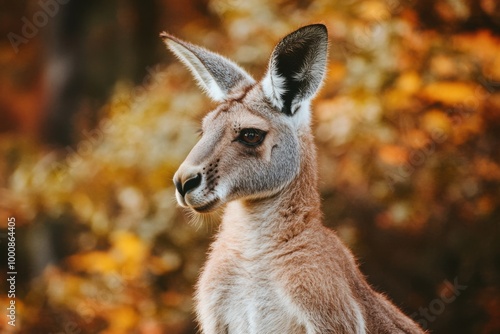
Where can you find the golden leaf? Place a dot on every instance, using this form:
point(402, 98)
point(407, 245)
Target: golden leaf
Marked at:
point(128, 247)
point(121, 320)
point(451, 92)
point(398, 99)
point(129, 251)
point(409, 82)
point(436, 120)
point(93, 262)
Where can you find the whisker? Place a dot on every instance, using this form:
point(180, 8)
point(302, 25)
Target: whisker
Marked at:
point(208, 220)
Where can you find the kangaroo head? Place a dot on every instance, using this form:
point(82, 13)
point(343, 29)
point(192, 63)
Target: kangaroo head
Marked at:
point(250, 144)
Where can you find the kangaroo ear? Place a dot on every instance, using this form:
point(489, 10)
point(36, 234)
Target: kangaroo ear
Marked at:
point(216, 74)
point(296, 68)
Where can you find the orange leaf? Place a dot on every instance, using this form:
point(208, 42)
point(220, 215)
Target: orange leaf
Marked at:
point(450, 92)
point(393, 154)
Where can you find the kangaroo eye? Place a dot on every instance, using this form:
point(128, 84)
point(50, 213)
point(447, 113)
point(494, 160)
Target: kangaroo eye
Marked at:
point(251, 137)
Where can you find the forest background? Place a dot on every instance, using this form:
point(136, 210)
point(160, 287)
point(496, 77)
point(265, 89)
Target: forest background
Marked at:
point(96, 116)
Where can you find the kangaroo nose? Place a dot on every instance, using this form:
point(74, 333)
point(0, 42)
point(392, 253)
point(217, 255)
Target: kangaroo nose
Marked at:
point(188, 183)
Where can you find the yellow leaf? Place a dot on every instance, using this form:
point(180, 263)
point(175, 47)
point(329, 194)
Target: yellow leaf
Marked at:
point(436, 120)
point(93, 262)
point(450, 92)
point(128, 247)
point(409, 82)
point(130, 252)
point(82, 205)
point(398, 99)
point(121, 320)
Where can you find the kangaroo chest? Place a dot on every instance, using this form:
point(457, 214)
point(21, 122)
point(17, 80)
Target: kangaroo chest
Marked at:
point(248, 297)
point(255, 304)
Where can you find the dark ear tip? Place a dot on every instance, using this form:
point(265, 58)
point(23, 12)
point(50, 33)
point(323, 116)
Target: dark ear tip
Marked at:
point(317, 32)
point(316, 27)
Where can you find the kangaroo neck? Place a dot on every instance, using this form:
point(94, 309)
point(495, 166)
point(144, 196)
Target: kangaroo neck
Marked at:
point(285, 213)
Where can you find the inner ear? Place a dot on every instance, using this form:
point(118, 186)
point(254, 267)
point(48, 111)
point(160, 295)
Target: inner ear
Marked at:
point(288, 63)
point(296, 68)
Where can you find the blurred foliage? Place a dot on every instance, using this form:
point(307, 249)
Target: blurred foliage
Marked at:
point(408, 130)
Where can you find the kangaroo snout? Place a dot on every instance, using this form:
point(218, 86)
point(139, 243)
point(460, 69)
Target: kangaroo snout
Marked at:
point(186, 182)
point(196, 188)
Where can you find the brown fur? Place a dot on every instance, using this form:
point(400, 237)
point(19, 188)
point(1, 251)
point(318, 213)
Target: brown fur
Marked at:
point(273, 267)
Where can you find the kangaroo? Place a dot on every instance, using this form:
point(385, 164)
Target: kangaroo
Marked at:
point(273, 267)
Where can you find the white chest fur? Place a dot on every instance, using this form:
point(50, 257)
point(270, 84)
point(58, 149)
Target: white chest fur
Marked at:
point(247, 297)
point(258, 306)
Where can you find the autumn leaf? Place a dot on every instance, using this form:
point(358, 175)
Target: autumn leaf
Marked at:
point(409, 82)
point(121, 320)
point(436, 120)
point(451, 92)
point(393, 155)
point(93, 262)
